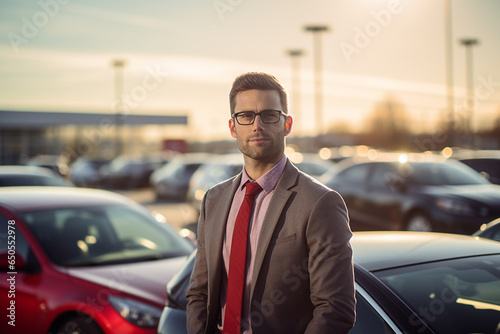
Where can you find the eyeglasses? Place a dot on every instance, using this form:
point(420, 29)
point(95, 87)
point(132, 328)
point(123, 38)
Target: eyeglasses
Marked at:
point(267, 116)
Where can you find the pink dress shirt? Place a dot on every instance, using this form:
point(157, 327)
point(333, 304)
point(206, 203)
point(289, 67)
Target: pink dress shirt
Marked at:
point(268, 182)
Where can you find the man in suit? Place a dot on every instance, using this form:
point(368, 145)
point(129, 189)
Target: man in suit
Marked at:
point(298, 272)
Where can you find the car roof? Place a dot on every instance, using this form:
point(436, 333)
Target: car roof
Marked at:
point(24, 199)
point(26, 170)
point(377, 156)
point(383, 250)
point(476, 154)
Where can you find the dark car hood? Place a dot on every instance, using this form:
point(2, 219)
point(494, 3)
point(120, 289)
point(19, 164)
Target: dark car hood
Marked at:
point(143, 279)
point(488, 194)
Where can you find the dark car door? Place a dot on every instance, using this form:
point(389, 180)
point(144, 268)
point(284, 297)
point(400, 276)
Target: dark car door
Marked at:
point(351, 184)
point(384, 196)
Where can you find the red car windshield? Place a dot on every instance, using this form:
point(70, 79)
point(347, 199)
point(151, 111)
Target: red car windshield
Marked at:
point(103, 235)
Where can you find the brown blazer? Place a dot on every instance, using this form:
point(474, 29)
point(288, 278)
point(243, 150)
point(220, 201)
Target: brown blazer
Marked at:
point(303, 279)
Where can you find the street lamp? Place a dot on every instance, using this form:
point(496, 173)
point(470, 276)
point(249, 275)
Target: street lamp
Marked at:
point(295, 54)
point(118, 65)
point(468, 43)
point(318, 69)
point(449, 71)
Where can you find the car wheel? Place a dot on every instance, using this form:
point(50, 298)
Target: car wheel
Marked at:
point(419, 222)
point(79, 325)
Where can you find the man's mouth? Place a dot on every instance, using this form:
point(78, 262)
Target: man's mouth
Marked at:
point(258, 140)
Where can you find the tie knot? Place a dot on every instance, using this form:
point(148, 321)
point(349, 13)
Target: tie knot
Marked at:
point(252, 188)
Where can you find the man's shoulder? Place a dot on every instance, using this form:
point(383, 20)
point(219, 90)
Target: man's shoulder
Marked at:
point(222, 187)
point(304, 180)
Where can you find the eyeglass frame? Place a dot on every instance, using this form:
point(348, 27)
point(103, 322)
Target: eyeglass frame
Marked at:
point(281, 113)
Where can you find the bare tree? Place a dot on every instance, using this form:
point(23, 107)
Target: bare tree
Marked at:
point(388, 125)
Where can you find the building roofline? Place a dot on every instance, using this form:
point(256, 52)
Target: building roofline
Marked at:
point(43, 119)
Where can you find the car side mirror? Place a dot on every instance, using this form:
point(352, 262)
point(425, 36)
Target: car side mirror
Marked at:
point(485, 175)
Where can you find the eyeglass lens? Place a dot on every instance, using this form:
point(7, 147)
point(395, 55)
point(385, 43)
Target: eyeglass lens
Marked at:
point(267, 116)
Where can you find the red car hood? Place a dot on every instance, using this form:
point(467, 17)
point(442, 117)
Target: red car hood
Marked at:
point(143, 279)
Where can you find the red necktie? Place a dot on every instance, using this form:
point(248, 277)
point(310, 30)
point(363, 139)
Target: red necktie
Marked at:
point(237, 262)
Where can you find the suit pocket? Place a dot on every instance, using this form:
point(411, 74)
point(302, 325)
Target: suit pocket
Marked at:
point(284, 240)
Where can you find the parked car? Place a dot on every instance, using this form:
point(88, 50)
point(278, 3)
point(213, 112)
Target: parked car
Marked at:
point(172, 180)
point(216, 169)
point(130, 171)
point(420, 192)
point(83, 261)
point(486, 162)
point(311, 164)
point(54, 162)
point(406, 282)
point(30, 176)
point(84, 172)
point(490, 230)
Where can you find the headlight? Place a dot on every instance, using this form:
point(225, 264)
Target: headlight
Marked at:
point(135, 312)
point(455, 207)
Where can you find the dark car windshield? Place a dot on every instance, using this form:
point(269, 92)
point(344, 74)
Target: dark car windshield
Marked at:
point(431, 174)
point(454, 296)
point(103, 235)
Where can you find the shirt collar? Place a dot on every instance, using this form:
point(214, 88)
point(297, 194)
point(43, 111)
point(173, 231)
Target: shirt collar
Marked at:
point(269, 180)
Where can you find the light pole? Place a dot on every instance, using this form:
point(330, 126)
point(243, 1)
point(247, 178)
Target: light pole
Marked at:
point(118, 65)
point(450, 98)
point(295, 55)
point(318, 72)
point(468, 43)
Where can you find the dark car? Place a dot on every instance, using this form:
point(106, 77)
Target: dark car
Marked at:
point(11, 176)
point(172, 180)
point(406, 282)
point(486, 162)
point(490, 230)
point(420, 192)
point(84, 172)
point(130, 171)
point(311, 164)
point(87, 261)
point(216, 169)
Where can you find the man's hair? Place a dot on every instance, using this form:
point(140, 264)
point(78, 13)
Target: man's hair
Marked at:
point(259, 81)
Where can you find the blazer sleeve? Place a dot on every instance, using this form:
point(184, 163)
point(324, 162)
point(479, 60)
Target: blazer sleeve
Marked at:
point(197, 293)
point(330, 266)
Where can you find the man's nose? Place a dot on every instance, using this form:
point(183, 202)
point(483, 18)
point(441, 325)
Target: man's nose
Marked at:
point(257, 123)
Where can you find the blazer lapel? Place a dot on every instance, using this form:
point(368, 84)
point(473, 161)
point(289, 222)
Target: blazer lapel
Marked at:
point(215, 229)
point(281, 195)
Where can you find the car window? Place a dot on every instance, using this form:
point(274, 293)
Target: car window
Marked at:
point(454, 296)
point(354, 174)
point(382, 175)
point(103, 235)
point(490, 166)
point(444, 174)
point(368, 320)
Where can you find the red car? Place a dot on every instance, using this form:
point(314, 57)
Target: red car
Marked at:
point(78, 260)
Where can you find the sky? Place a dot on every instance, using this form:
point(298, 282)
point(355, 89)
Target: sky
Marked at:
point(182, 56)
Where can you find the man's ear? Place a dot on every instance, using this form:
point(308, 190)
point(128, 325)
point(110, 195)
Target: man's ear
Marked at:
point(288, 125)
point(232, 128)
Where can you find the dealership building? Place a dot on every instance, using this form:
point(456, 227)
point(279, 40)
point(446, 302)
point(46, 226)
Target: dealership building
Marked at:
point(26, 134)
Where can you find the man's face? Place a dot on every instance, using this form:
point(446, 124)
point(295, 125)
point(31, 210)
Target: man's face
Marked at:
point(260, 141)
